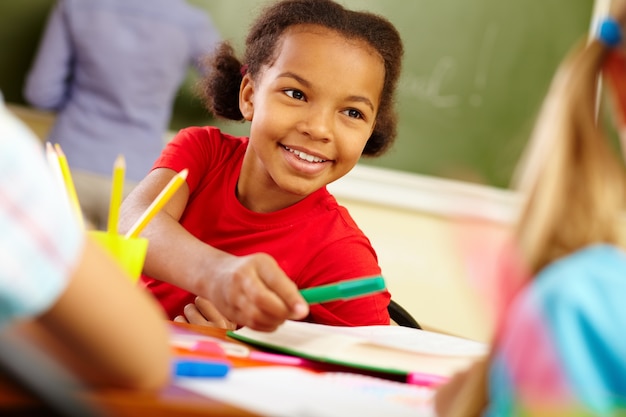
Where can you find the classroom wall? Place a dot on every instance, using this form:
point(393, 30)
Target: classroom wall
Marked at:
point(438, 242)
point(423, 270)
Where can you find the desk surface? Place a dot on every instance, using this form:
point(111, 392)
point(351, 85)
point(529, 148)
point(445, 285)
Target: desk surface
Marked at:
point(169, 401)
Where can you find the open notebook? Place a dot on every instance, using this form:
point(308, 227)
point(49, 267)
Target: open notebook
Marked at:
point(388, 349)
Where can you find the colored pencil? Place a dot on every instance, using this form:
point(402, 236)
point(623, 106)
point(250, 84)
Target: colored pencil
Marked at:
point(69, 183)
point(117, 193)
point(158, 203)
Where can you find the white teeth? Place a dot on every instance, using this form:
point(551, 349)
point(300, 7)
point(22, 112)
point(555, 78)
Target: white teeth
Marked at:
point(305, 156)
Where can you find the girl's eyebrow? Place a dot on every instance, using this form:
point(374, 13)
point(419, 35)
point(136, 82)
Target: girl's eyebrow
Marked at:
point(363, 100)
point(296, 77)
point(305, 83)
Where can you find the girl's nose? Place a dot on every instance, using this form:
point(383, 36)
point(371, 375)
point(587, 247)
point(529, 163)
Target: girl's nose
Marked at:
point(318, 123)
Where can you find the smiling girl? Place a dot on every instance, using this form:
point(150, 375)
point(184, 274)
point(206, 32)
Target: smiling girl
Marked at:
point(255, 222)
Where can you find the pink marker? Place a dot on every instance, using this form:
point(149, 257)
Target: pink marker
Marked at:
point(208, 347)
point(220, 348)
point(425, 380)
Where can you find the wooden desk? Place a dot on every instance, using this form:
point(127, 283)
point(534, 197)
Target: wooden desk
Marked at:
point(170, 401)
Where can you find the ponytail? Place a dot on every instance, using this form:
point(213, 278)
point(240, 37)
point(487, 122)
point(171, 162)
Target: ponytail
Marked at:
point(574, 179)
point(220, 88)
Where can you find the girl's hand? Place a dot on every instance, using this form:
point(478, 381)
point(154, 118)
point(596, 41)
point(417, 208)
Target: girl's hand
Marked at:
point(253, 291)
point(204, 313)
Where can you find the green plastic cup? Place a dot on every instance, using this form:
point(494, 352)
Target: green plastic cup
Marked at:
point(130, 253)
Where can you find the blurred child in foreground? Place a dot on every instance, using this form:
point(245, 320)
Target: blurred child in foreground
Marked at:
point(559, 349)
point(59, 287)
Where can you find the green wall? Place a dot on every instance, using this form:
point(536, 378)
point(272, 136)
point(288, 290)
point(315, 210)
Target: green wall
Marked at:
point(475, 73)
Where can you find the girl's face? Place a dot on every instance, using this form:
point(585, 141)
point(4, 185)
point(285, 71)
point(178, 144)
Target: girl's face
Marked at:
point(311, 111)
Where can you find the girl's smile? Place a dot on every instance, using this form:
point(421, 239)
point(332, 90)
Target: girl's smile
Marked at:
point(311, 112)
point(305, 161)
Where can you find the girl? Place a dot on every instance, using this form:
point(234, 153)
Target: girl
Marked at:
point(560, 347)
point(255, 221)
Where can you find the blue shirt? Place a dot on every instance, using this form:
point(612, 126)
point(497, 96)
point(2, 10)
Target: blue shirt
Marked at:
point(111, 69)
point(563, 348)
point(40, 238)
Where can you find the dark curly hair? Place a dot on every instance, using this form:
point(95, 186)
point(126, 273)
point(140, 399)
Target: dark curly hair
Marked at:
point(220, 89)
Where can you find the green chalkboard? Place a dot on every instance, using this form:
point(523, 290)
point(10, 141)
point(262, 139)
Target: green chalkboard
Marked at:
point(21, 23)
point(474, 76)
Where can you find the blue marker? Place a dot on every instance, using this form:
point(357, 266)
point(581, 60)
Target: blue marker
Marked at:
point(200, 368)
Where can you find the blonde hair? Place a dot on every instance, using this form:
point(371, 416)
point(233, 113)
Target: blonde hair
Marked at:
point(575, 182)
point(575, 187)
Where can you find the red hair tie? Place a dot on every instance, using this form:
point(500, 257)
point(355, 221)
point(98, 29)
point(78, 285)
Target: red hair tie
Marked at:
point(244, 69)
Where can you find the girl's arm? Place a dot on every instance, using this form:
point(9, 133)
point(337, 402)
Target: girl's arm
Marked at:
point(249, 290)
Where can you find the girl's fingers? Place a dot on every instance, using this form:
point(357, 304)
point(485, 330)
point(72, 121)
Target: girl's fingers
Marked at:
point(180, 319)
point(212, 315)
point(284, 289)
point(255, 293)
point(194, 316)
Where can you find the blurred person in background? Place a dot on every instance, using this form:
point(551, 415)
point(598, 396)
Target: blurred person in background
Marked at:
point(110, 69)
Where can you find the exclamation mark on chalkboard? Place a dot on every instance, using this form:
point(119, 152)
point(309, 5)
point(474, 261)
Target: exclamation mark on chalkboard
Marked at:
point(482, 68)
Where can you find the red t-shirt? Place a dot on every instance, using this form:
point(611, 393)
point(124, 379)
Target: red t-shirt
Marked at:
point(315, 241)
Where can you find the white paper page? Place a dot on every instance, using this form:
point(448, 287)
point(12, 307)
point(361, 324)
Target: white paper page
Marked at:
point(413, 340)
point(294, 392)
point(299, 334)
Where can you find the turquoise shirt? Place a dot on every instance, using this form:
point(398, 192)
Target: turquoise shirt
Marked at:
point(563, 347)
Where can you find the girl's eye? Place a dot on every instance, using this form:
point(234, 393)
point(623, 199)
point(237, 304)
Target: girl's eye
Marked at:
point(297, 94)
point(353, 113)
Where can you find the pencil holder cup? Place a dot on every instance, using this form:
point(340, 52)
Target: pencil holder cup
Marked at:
point(130, 253)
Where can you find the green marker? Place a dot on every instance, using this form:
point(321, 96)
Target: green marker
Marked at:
point(343, 290)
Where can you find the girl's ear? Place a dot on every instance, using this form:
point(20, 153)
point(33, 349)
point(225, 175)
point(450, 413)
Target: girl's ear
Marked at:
point(246, 95)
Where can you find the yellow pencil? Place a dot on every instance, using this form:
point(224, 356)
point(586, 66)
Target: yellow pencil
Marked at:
point(117, 193)
point(158, 203)
point(69, 183)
